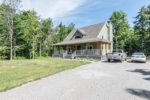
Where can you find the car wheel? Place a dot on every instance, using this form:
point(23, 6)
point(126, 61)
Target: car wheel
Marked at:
point(121, 60)
point(108, 60)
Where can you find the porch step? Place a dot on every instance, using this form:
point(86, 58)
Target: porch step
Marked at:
point(104, 58)
point(68, 56)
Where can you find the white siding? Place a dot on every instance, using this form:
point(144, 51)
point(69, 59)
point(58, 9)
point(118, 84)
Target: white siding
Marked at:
point(106, 32)
point(111, 34)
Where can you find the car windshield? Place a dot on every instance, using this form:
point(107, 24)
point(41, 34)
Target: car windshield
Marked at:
point(138, 54)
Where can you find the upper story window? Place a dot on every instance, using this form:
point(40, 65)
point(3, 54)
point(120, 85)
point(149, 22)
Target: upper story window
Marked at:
point(78, 37)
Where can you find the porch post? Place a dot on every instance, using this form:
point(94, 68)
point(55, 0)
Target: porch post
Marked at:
point(101, 48)
point(106, 47)
point(98, 47)
point(110, 47)
point(58, 50)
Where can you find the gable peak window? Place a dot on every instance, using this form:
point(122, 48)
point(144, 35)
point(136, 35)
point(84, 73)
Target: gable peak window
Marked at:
point(78, 37)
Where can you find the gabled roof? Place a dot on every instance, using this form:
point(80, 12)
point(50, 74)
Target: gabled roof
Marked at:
point(91, 31)
point(90, 34)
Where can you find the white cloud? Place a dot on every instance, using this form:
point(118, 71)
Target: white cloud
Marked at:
point(1, 1)
point(52, 8)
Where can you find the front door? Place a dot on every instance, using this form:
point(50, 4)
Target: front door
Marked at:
point(78, 52)
point(69, 50)
point(78, 47)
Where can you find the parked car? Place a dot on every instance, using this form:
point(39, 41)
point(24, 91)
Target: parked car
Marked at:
point(138, 57)
point(117, 55)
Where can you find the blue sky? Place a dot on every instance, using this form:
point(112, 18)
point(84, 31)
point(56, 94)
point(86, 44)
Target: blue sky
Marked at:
point(83, 12)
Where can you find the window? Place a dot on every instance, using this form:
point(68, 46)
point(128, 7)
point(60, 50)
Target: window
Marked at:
point(78, 37)
point(90, 47)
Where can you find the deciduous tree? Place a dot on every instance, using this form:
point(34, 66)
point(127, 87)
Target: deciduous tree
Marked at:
point(11, 6)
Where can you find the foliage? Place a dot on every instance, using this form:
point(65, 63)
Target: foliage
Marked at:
point(19, 58)
point(127, 38)
point(131, 43)
point(28, 31)
point(46, 31)
point(31, 37)
point(121, 26)
point(9, 10)
point(142, 28)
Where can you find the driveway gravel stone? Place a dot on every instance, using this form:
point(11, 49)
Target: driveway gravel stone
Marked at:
point(95, 81)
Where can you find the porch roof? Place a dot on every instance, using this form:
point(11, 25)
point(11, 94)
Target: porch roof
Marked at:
point(81, 41)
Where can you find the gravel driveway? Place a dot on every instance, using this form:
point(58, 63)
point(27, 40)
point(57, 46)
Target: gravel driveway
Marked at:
point(95, 81)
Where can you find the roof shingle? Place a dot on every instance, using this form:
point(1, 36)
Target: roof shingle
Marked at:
point(90, 34)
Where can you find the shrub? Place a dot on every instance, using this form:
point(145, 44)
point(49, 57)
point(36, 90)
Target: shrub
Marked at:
point(19, 58)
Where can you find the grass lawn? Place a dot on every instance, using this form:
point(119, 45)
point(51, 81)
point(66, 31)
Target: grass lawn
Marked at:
point(16, 73)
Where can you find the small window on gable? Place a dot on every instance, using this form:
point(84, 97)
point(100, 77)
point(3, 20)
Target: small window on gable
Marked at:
point(78, 37)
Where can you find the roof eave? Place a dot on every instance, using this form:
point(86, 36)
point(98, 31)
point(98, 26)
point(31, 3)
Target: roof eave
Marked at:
point(76, 42)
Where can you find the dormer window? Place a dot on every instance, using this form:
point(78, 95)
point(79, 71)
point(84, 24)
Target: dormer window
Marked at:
point(78, 37)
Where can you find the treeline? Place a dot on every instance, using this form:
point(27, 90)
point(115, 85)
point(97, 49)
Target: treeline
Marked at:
point(23, 34)
point(30, 36)
point(132, 39)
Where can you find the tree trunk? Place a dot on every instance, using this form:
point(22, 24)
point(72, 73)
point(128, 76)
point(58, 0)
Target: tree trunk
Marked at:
point(33, 48)
point(14, 47)
point(11, 46)
point(14, 56)
point(116, 43)
point(40, 49)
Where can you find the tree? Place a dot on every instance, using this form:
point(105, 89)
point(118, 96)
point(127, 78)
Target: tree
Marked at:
point(120, 27)
point(23, 34)
point(3, 36)
point(28, 25)
point(63, 31)
point(142, 28)
point(11, 7)
point(45, 30)
point(131, 43)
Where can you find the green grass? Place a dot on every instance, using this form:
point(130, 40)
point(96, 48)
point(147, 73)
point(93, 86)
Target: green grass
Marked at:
point(18, 72)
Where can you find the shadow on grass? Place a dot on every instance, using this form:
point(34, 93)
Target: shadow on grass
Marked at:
point(140, 93)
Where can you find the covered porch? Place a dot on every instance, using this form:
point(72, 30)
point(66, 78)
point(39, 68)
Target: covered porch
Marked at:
point(93, 49)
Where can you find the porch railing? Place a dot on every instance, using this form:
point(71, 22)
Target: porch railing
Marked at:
point(84, 52)
point(90, 52)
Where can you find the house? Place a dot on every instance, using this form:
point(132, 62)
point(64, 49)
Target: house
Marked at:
point(91, 41)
